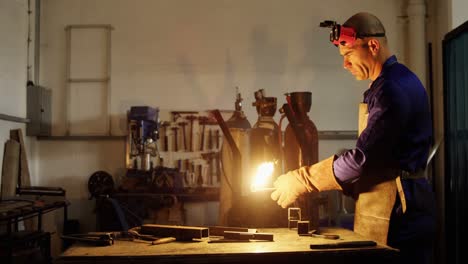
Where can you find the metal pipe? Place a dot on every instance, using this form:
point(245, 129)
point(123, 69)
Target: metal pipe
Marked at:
point(417, 38)
point(37, 39)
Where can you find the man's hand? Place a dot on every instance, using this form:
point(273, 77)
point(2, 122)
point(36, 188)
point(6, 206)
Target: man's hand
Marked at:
point(316, 178)
point(288, 189)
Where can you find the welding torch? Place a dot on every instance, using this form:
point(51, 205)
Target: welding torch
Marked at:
point(264, 171)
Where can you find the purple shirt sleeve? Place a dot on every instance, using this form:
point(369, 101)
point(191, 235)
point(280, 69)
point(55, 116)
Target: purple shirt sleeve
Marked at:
point(386, 117)
point(348, 166)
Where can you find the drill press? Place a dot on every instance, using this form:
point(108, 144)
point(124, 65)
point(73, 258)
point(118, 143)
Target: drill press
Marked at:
point(143, 125)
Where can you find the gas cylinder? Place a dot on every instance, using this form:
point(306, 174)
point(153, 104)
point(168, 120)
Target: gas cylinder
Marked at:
point(257, 208)
point(296, 156)
point(230, 185)
point(264, 135)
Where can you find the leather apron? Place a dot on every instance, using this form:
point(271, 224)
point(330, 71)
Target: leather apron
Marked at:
point(376, 198)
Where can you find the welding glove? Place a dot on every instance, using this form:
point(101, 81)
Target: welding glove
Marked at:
point(318, 177)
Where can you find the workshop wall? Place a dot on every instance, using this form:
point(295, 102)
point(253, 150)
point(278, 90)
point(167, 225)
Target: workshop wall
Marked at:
point(190, 55)
point(13, 57)
point(459, 15)
point(13, 67)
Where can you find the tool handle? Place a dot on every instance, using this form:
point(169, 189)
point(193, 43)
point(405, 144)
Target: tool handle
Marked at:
point(163, 240)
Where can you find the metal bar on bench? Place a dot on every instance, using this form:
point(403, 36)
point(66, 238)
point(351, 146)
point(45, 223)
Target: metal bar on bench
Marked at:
point(219, 230)
point(181, 233)
point(247, 235)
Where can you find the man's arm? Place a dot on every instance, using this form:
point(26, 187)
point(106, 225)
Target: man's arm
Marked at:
point(389, 111)
point(376, 143)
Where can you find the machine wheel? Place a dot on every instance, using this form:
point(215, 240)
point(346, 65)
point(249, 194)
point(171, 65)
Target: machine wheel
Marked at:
point(100, 183)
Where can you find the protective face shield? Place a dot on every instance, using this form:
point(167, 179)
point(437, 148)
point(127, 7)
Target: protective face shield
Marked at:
point(344, 35)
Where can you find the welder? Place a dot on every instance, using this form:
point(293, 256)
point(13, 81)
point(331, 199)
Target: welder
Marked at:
point(385, 172)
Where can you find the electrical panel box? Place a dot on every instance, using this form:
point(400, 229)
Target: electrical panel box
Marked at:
point(38, 111)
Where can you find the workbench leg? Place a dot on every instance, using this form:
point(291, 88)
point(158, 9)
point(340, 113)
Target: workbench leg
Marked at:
point(39, 221)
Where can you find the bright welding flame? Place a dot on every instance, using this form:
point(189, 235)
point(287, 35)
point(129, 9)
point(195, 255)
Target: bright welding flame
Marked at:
point(264, 172)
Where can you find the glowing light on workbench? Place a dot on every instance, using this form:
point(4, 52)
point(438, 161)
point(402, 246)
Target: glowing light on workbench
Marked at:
point(264, 173)
point(258, 248)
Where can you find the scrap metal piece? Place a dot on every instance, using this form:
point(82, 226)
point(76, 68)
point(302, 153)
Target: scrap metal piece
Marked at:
point(294, 216)
point(248, 236)
point(302, 227)
point(181, 233)
point(219, 230)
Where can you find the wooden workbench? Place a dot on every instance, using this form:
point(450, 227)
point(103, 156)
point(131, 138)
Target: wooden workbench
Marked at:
point(288, 247)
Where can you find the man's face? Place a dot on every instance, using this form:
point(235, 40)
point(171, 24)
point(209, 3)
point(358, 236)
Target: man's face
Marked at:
point(357, 59)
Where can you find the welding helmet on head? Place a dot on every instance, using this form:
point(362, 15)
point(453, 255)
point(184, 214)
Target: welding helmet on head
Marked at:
point(344, 35)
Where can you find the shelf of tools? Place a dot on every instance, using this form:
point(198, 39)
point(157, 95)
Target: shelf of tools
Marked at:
point(191, 144)
point(168, 162)
point(183, 158)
